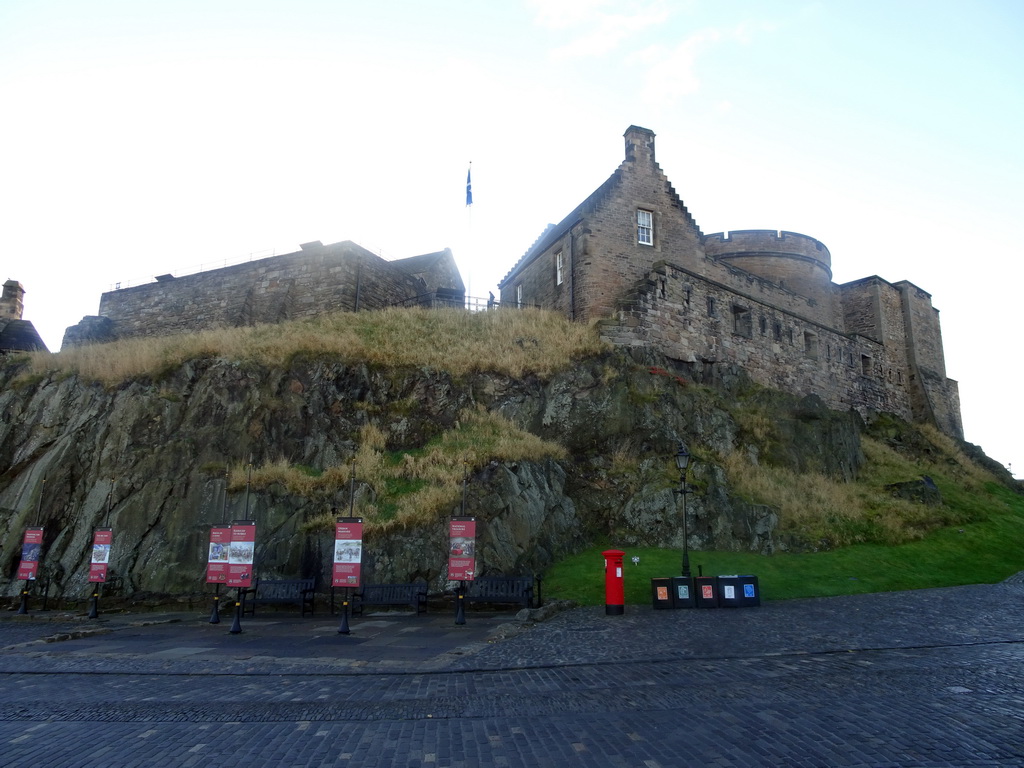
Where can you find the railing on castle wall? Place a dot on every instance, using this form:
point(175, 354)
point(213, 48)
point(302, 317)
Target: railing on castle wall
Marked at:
point(470, 303)
point(433, 300)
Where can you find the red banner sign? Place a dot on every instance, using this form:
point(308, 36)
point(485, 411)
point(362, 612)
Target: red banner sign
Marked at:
point(462, 549)
point(31, 553)
point(217, 559)
point(101, 540)
point(242, 554)
point(348, 551)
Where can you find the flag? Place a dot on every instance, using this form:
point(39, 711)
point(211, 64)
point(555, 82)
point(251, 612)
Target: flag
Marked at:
point(469, 185)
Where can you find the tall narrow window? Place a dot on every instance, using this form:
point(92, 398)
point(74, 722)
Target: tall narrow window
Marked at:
point(559, 273)
point(519, 296)
point(644, 227)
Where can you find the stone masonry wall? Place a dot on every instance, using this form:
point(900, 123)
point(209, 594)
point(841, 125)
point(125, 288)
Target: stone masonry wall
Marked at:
point(941, 395)
point(302, 284)
point(690, 318)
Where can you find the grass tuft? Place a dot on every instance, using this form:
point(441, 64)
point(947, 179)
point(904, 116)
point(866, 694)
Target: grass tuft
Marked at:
point(516, 343)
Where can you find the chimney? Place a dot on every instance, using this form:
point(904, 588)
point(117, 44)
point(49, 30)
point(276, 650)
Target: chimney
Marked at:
point(12, 305)
point(639, 143)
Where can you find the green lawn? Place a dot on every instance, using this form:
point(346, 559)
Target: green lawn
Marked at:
point(983, 552)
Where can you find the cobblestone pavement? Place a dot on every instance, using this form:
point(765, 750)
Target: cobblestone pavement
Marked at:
point(923, 678)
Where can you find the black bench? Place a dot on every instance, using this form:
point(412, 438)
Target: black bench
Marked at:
point(414, 595)
point(501, 589)
point(279, 592)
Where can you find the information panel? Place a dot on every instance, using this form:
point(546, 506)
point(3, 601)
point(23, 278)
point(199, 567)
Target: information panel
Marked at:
point(241, 554)
point(102, 538)
point(217, 559)
point(462, 549)
point(31, 552)
point(348, 552)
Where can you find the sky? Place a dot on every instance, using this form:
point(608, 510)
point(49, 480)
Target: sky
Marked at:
point(140, 138)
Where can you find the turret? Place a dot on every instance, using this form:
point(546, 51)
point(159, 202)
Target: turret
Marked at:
point(796, 262)
point(12, 304)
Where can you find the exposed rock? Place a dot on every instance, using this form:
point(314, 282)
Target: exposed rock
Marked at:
point(148, 458)
point(923, 491)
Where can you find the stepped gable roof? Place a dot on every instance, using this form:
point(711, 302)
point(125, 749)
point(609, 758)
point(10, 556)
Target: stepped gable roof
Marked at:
point(554, 232)
point(20, 336)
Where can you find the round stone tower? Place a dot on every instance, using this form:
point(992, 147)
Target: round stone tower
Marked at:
point(796, 262)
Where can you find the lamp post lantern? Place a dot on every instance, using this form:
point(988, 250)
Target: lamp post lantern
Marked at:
point(683, 459)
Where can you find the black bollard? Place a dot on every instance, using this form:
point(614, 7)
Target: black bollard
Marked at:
point(460, 604)
point(236, 628)
point(23, 608)
point(215, 615)
point(94, 603)
point(343, 628)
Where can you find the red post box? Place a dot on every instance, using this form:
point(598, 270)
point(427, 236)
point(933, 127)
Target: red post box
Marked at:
point(614, 593)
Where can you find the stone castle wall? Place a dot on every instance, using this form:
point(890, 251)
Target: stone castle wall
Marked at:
point(306, 283)
point(691, 318)
point(292, 286)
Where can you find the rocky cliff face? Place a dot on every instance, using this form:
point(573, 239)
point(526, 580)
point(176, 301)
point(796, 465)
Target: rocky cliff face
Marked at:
point(148, 458)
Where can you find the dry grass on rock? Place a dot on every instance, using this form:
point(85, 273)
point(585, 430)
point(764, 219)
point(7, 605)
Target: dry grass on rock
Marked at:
point(513, 342)
point(409, 488)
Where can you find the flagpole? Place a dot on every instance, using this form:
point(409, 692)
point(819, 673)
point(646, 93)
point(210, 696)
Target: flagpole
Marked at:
point(469, 229)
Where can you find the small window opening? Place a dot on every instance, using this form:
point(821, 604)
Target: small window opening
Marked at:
point(811, 345)
point(741, 321)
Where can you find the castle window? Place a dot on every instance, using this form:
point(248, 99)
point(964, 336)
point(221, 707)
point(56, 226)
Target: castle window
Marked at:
point(790, 335)
point(764, 325)
point(865, 365)
point(811, 345)
point(644, 227)
point(519, 296)
point(711, 306)
point(559, 273)
point(741, 321)
point(777, 331)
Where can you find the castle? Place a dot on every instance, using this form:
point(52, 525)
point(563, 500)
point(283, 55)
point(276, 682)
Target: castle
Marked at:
point(632, 257)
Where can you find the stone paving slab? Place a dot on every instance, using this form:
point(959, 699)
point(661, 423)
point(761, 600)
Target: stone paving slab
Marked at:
point(931, 678)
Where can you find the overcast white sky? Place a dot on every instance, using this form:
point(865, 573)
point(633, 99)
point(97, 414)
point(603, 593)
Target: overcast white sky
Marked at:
point(141, 137)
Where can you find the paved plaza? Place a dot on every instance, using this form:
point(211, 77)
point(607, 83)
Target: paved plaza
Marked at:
point(922, 678)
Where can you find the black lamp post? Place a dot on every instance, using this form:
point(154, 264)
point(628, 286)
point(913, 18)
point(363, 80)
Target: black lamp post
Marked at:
point(683, 459)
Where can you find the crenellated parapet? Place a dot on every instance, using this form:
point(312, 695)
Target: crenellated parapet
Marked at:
point(768, 241)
